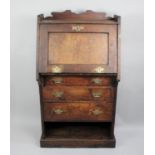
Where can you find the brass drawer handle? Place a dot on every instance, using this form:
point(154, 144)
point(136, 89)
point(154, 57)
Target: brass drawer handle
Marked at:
point(56, 69)
point(97, 94)
point(96, 80)
point(99, 69)
point(58, 94)
point(96, 111)
point(57, 80)
point(57, 111)
point(77, 28)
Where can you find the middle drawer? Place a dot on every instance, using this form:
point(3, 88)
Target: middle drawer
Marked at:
point(77, 93)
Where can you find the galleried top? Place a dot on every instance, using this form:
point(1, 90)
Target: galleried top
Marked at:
point(83, 16)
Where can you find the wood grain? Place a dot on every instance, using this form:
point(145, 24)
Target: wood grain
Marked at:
point(78, 111)
point(76, 93)
point(78, 81)
point(78, 48)
point(72, 134)
point(75, 110)
point(109, 45)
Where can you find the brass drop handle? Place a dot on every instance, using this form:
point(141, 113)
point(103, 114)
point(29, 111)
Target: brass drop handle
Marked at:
point(96, 80)
point(56, 69)
point(99, 69)
point(58, 94)
point(97, 94)
point(57, 80)
point(57, 111)
point(97, 111)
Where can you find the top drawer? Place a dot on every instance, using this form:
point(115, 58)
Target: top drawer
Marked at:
point(79, 81)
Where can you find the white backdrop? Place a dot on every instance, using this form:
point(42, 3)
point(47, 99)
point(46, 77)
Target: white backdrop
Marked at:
point(25, 110)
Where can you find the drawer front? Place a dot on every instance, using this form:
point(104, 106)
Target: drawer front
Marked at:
point(79, 81)
point(77, 93)
point(78, 111)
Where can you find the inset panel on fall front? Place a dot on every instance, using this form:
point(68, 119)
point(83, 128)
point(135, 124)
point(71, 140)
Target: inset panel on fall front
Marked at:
point(78, 48)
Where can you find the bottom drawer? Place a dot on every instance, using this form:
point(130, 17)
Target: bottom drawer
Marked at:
point(78, 111)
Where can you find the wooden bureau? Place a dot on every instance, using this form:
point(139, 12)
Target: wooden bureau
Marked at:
point(78, 72)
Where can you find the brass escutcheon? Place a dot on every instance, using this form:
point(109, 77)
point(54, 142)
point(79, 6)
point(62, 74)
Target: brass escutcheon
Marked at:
point(77, 28)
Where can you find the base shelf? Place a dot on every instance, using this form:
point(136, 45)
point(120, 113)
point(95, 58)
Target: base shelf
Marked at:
point(77, 135)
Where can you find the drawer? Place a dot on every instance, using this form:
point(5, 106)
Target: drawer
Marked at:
point(79, 81)
point(78, 111)
point(77, 93)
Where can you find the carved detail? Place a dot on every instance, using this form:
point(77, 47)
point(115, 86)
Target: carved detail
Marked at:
point(69, 15)
point(88, 15)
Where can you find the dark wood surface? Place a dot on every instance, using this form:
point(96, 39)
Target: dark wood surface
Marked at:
point(81, 66)
point(77, 93)
point(75, 135)
point(68, 15)
point(78, 48)
point(78, 111)
point(87, 15)
point(78, 81)
point(78, 69)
